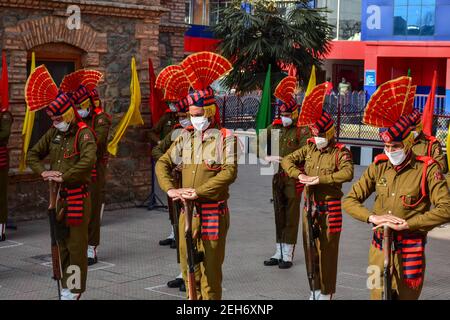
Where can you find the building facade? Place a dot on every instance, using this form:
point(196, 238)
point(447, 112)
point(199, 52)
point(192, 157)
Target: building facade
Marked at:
point(108, 35)
point(374, 41)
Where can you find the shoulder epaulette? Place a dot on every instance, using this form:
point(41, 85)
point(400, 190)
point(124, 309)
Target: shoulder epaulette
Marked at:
point(427, 160)
point(81, 125)
point(380, 158)
point(226, 132)
point(432, 139)
point(340, 146)
point(98, 111)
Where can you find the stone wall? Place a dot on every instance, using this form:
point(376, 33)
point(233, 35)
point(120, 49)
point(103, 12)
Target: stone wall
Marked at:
point(106, 43)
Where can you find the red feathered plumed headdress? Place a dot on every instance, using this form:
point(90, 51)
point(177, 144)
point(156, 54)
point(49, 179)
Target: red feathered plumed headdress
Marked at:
point(312, 113)
point(390, 108)
point(40, 89)
point(285, 93)
point(176, 86)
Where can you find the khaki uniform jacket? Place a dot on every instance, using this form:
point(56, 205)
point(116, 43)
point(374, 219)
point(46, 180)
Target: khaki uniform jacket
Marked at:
point(287, 140)
point(333, 166)
point(392, 187)
point(163, 127)
point(209, 164)
point(76, 168)
point(421, 146)
point(101, 127)
point(159, 150)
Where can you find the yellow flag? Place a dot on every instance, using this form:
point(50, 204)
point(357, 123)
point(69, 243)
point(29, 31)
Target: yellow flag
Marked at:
point(312, 81)
point(133, 115)
point(311, 85)
point(27, 128)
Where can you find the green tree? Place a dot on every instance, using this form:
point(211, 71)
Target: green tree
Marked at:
point(266, 36)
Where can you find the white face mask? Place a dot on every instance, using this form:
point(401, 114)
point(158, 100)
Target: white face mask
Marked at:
point(62, 126)
point(286, 121)
point(172, 107)
point(200, 123)
point(321, 142)
point(185, 122)
point(415, 134)
point(83, 112)
point(396, 157)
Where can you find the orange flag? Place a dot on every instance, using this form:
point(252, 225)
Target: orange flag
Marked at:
point(428, 109)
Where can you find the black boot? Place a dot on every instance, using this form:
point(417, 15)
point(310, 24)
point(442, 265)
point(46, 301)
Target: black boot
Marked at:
point(92, 261)
point(175, 283)
point(272, 262)
point(173, 245)
point(183, 287)
point(284, 264)
point(165, 242)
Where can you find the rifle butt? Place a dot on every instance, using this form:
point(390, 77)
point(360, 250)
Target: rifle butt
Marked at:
point(191, 285)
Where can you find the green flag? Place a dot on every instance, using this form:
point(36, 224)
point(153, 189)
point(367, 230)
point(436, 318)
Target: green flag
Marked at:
point(263, 116)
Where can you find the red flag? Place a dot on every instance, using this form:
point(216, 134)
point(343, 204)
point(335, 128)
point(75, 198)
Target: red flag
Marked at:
point(428, 109)
point(4, 93)
point(157, 105)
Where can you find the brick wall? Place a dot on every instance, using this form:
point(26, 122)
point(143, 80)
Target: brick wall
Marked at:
point(105, 43)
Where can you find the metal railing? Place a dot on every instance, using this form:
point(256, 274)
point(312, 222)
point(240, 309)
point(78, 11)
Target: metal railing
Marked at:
point(239, 112)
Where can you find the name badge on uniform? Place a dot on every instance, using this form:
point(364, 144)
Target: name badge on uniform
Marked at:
point(57, 139)
point(382, 182)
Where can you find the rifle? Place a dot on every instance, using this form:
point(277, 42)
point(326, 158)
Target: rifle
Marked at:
point(56, 262)
point(387, 244)
point(174, 211)
point(311, 244)
point(194, 257)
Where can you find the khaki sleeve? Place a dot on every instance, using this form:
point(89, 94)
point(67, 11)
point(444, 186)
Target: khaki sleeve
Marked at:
point(263, 137)
point(155, 131)
point(360, 191)
point(102, 126)
point(161, 148)
point(345, 170)
point(438, 155)
point(87, 146)
point(165, 164)
point(440, 199)
point(5, 125)
point(291, 161)
point(226, 176)
point(39, 151)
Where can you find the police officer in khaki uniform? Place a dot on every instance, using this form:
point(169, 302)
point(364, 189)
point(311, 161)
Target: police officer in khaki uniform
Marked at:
point(176, 87)
point(286, 191)
point(6, 120)
point(209, 166)
point(406, 186)
point(327, 165)
point(72, 150)
point(425, 145)
point(82, 84)
point(89, 108)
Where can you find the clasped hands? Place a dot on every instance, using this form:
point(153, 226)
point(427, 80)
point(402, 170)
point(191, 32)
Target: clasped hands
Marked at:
point(52, 176)
point(389, 220)
point(182, 194)
point(308, 180)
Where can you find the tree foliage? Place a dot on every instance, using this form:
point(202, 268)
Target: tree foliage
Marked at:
point(265, 36)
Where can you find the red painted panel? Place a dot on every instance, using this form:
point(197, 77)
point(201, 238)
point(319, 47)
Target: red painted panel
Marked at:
point(349, 50)
point(194, 44)
point(421, 69)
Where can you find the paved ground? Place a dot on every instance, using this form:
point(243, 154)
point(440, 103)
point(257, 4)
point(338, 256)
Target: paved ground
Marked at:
point(134, 266)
